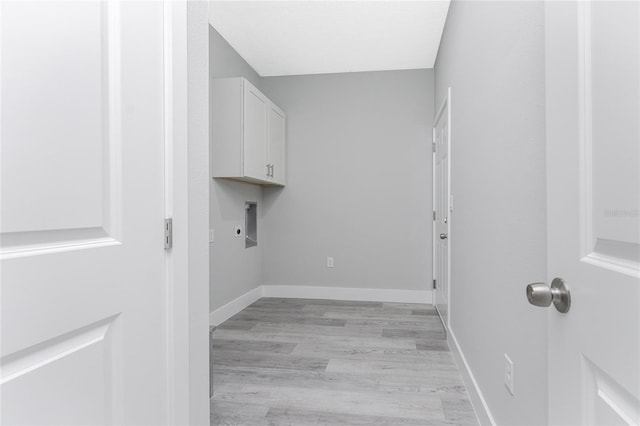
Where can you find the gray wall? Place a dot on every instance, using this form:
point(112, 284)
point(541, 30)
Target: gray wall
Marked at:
point(359, 185)
point(234, 270)
point(359, 181)
point(492, 55)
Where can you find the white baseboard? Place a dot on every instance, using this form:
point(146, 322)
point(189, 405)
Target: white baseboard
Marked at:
point(480, 406)
point(225, 312)
point(343, 293)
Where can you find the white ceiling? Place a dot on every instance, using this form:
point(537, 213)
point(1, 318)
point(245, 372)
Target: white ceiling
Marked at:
point(317, 37)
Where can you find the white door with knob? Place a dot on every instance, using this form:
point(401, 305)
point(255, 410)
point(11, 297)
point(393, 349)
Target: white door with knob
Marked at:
point(83, 307)
point(593, 160)
point(441, 209)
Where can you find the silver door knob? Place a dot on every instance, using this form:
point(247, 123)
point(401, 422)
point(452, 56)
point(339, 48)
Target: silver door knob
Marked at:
point(539, 294)
point(443, 236)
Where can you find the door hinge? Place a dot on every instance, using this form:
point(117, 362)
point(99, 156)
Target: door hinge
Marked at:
point(434, 284)
point(433, 146)
point(168, 233)
point(434, 215)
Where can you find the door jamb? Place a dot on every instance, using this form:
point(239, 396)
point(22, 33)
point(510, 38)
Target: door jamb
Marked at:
point(186, 91)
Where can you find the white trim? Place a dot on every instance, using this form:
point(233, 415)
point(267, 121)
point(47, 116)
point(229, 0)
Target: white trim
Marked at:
point(196, 169)
point(444, 104)
point(449, 208)
point(433, 214)
point(225, 312)
point(186, 108)
point(616, 264)
point(343, 293)
point(585, 135)
point(26, 250)
point(480, 406)
point(176, 206)
point(114, 107)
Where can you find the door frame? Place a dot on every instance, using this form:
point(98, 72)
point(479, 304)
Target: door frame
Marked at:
point(186, 105)
point(446, 105)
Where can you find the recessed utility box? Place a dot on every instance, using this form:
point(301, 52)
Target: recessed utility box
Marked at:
point(250, 224)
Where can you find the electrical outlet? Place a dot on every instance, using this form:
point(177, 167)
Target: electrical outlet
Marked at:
point(329, 262)
point(508, 373)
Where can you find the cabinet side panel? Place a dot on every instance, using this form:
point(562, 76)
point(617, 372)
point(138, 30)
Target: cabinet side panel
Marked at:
point(226, 132)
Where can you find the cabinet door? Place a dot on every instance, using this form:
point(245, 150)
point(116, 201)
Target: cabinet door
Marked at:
point(277, 144)
point(255, 133)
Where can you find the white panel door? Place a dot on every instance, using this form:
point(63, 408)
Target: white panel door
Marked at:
point(441, 197)
point(255, 133)
point(277, 145)
point(83, 322)
point(593, 154)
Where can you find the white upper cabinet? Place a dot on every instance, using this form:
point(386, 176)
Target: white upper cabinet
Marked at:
point(248, 139)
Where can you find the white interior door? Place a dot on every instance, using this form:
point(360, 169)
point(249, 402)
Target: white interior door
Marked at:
point(83, 322)
point(441, 198)
point(593, 149)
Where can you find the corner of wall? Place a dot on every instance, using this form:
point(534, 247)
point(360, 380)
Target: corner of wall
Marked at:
point(234, 269)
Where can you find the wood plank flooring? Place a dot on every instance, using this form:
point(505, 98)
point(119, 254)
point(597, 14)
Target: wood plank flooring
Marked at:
point(327, 362)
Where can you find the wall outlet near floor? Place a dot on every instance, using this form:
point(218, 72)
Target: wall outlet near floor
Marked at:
point(508, 373)
point(329, 262)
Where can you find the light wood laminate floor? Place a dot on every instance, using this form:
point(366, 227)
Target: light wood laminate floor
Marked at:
point(327, 362)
